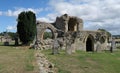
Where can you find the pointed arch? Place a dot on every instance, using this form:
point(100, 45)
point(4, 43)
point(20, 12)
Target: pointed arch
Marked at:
point(90, 43)
point(42, 26)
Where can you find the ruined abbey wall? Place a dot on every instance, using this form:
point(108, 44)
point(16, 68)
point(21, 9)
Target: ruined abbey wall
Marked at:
point(71, 29)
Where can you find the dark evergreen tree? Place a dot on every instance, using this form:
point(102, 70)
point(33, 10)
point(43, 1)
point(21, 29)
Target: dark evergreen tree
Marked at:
point(26, 27)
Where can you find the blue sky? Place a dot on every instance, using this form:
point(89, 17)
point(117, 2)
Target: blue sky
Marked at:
point(8, 21)
point(95, 14)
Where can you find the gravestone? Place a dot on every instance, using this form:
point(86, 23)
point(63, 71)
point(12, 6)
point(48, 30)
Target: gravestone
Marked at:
point(112, 45)
point(98, 46)
point(6, 36)
point(16, 41)
point(6, 43)
point(56, 46)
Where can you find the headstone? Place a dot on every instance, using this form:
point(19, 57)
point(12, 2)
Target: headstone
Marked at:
point(73, 48)
point(16, 41)
point(68, 45)
point(112, 45)
point(6, 43)
point(55, 48)
point(98, 46)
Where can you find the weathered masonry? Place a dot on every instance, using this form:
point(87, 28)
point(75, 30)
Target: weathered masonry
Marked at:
point(71, 29)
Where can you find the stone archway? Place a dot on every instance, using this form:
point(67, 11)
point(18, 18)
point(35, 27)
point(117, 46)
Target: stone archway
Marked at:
point(42, 26)
point(72, 24)
point(90, 43)
point(52, 36)
point(75, 24)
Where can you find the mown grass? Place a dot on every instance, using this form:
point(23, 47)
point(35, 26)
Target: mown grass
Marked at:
point(86, 62)
point(17, 60)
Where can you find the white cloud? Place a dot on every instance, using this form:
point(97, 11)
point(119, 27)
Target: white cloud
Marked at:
point(96, 13)
point(11, 28)
point(44, 19)
point(19, 10)
point(0, 12)
point(48, 18)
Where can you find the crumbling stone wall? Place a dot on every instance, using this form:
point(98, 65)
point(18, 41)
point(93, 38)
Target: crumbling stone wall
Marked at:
point(97, 40)
point(83, 35)
point(42, 26)
point(67, 23)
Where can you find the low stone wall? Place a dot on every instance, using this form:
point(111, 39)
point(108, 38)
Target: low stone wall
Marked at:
point(44, 65)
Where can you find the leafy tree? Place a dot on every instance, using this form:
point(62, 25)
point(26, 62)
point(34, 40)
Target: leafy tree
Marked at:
point(1, 34)
point(47, 35)
point(26, 27)
point(12, 35)
point(108, 33)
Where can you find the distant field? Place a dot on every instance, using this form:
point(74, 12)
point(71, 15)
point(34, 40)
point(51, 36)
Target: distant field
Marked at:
point(17, 60)
point(86, 62)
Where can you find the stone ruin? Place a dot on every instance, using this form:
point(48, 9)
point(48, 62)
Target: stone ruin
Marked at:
point(67, 31)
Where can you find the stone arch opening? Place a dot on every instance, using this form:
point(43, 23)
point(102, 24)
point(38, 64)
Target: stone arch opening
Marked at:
point(90, 43)
point(41, 29)
point(102, 39)
point(72, 24)
point(48, 33)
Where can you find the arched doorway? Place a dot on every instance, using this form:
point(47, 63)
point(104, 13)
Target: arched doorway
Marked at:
point(47, 37)
point(72, 24)
point(41, 29)
point(90, 43)
point(48, 34)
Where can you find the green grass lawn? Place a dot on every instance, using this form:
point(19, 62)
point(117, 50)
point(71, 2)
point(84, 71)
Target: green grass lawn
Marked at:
point(86, 62)
point(17, 60)
point(22, 60)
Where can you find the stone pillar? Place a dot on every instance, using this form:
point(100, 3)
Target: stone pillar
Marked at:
point(78, 27)
point(66, 26)
point(98, 46)
point(73, 48)
point(55, 47)
point(112, 45)
point(68, 45)
point(68, 49)
point(65, 18)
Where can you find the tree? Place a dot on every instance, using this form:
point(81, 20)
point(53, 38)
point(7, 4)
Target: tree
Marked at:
point(47, 35)
point(108, 33)
point(26, 27)
point(12, 35)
